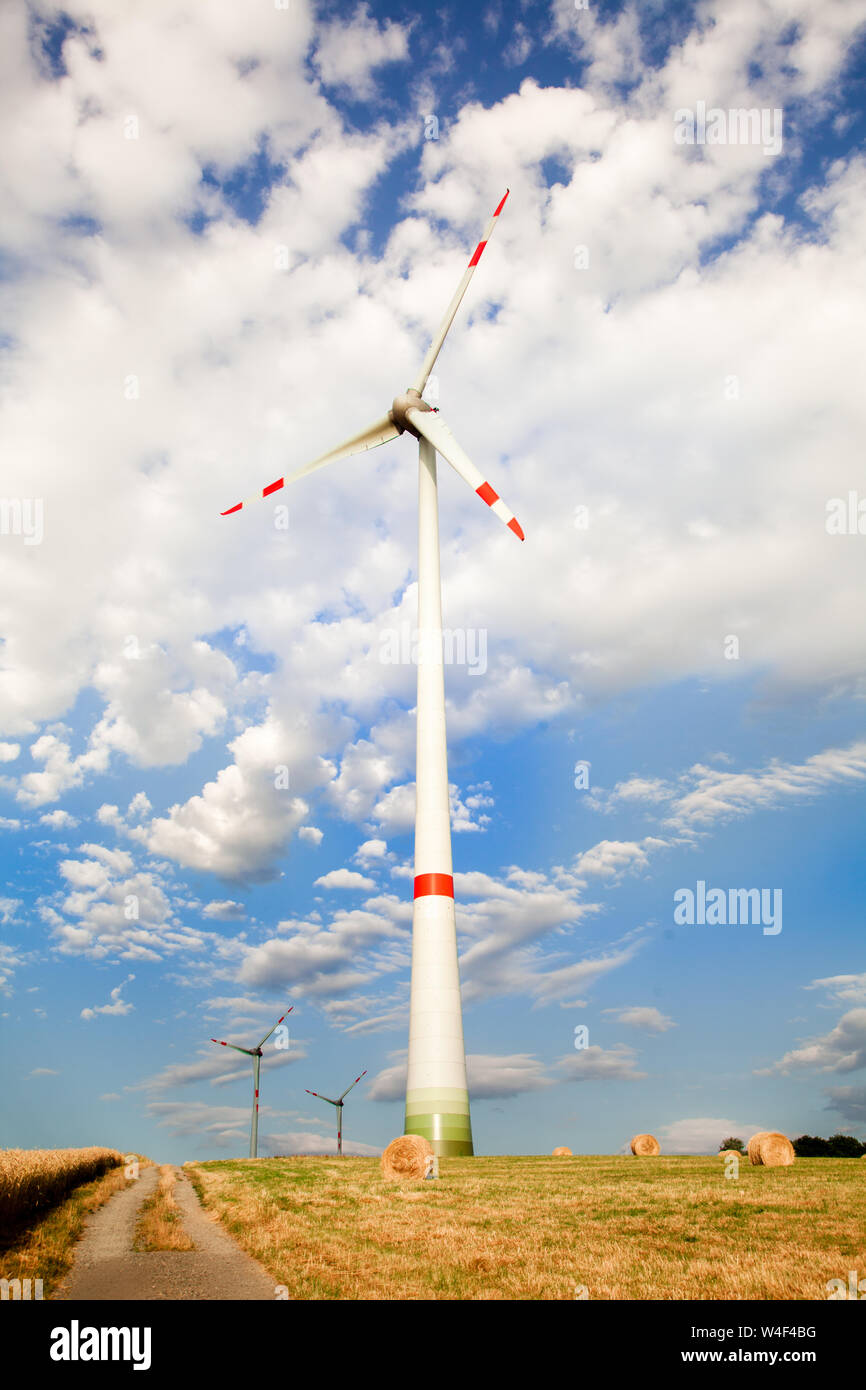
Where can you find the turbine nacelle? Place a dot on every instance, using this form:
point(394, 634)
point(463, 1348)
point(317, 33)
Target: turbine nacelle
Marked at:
point(401, 405)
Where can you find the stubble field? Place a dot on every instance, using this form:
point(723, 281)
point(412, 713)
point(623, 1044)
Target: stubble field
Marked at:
point(545, 1228)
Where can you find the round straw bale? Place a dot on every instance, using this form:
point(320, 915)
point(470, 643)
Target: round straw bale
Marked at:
point(770, 1149)
point(562, 1152)
point(645, 1146)
point(406, 1157)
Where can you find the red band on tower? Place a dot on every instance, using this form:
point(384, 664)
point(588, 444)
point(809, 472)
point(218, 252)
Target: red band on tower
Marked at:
point(434, 885)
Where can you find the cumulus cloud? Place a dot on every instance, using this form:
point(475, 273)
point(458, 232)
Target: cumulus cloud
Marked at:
point(224, 910)
point(109, 907)
point(349, 52)
point(244, 818)
point(345, 878)
point(702, 1136)
point(843, 1049)
point(310, 834)
point(58, 820)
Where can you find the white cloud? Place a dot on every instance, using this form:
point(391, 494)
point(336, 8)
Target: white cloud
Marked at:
point(848, 989)
point(111, 908)
point(647, 1017)
point(609, 858)
point(118, 1006)
point(241, 821)
point(702, 1136)
point(58, 820)
point(371, 852)
point(325, 961)
point(349, 52)
point(843, 1049)
point(9, 752)
point(596, 1063)
point(310, 834)
point(224, 910)
point(345, 878)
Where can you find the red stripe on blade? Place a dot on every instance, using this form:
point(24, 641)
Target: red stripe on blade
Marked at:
point(434, 885)
point(232, 509)
point(273, 487)
point(477, 256)
point(486, 493)
point(515, 526)
point(502, 204)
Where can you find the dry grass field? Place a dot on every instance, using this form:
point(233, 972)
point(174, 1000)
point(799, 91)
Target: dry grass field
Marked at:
point(159, 1225)
point(539, 1228)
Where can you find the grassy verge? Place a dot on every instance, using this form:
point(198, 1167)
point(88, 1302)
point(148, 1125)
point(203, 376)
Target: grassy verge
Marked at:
point(539, 1228)
point(159, 1225)
point(43, 1247)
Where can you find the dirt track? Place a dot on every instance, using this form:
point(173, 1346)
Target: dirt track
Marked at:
point(107, 1268)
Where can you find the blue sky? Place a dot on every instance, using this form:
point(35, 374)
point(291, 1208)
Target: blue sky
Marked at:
point(228, 245)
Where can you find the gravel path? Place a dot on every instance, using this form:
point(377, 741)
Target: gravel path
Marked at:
point(107, 1268)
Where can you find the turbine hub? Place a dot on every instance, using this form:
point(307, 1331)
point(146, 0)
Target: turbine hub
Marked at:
point(410, 400)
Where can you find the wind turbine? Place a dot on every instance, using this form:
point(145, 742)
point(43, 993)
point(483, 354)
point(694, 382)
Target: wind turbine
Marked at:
point(437, 1099)
point(339, 1104)
point(256, 1054)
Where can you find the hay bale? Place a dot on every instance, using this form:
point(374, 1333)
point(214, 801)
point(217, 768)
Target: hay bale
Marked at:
point(406, 1157)
point(726, 1153)
point(562, 1152)
point(645, 1146)
point(770, 1149)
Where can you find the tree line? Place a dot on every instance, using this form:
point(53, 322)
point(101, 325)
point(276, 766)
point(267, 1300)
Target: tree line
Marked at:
point(812, 1146)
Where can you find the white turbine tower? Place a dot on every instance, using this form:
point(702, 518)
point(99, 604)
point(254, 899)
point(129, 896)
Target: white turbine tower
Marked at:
point(437, 1099)
point(256, 1054)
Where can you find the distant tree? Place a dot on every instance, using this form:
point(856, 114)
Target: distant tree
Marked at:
point(736, 1144)
point(837, 1146)
point(845, 1146)
point(811, 1146)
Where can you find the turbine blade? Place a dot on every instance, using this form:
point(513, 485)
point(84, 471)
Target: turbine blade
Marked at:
point(434, 428)
point(354, 1083)
point(320, 1097)
point(275, 1027)
point(370, 438)
point(247, 1052)
point(433, 351)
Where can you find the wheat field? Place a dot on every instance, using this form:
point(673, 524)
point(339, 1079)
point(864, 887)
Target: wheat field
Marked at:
point(33, 1179)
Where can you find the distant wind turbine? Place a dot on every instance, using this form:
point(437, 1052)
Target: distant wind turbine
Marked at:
point(256, 1054)
point(339, 1105)
point(437, 1098)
